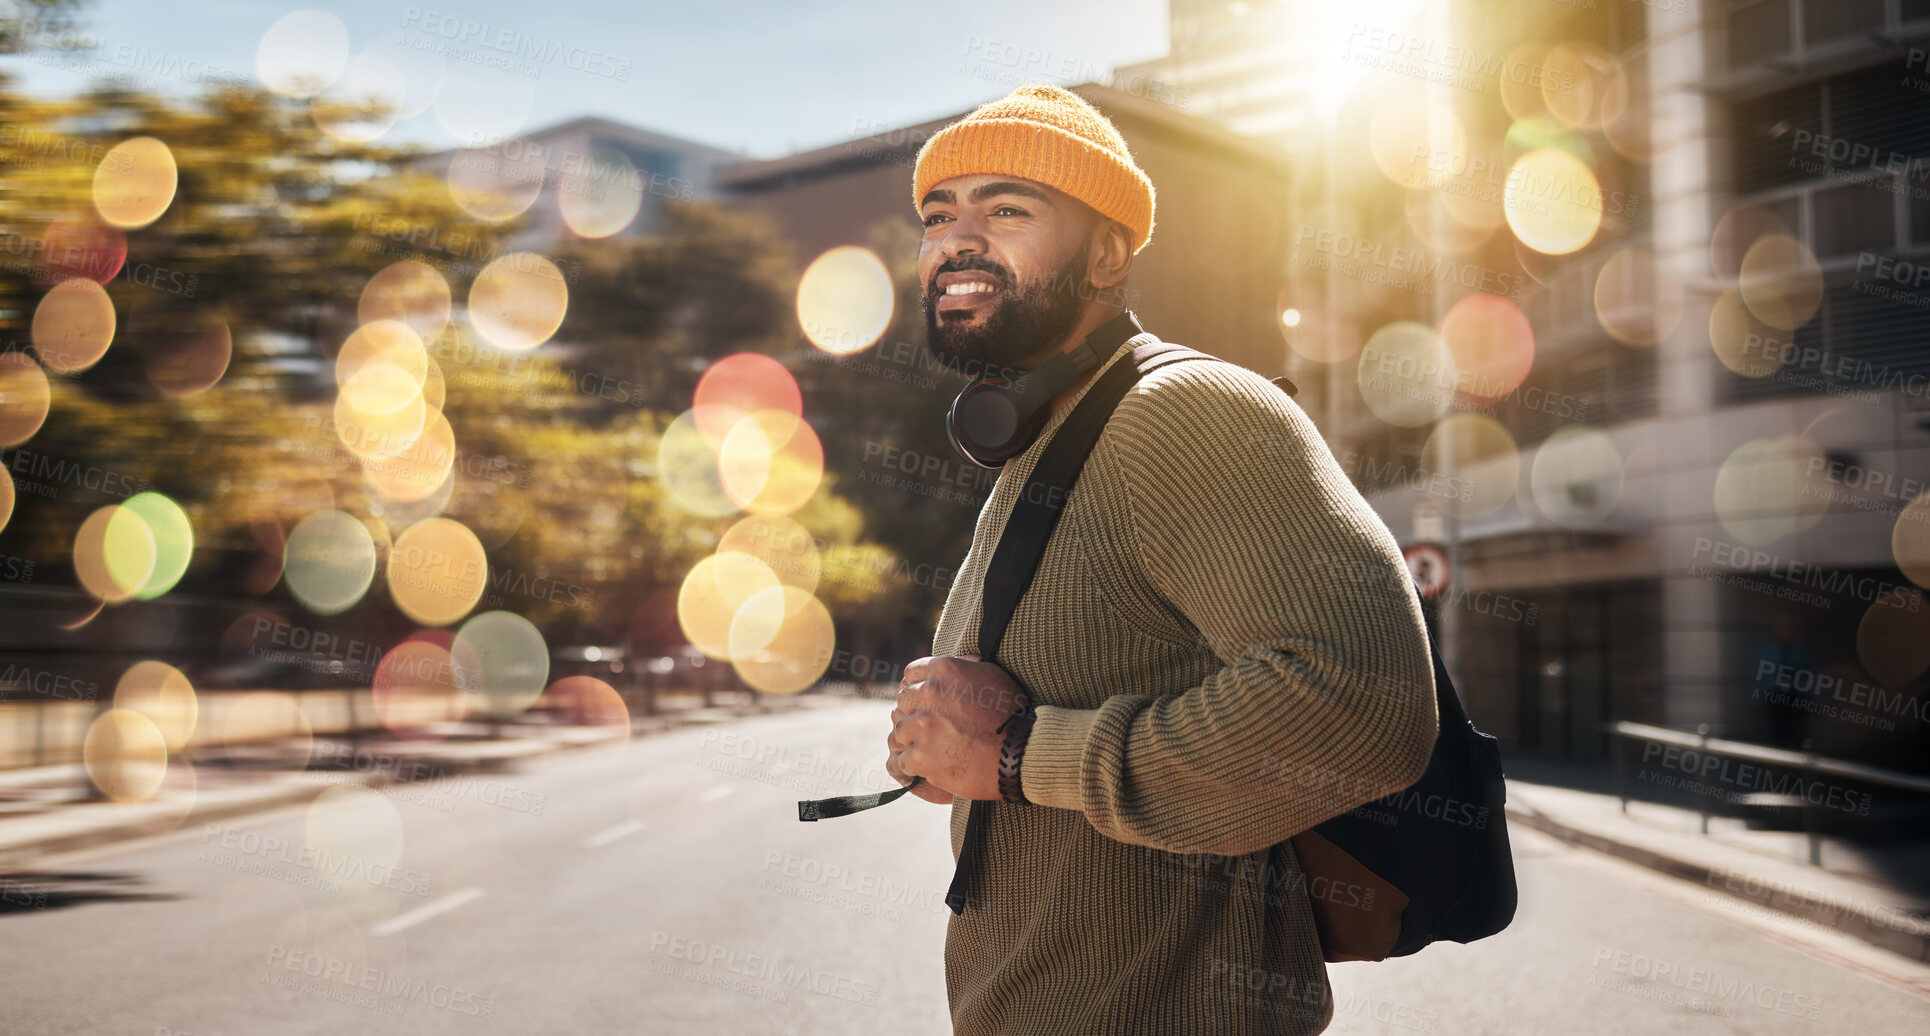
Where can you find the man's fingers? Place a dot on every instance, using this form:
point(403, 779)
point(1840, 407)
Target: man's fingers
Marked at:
point(913, 696)
point(915, 670)
point(933, 793)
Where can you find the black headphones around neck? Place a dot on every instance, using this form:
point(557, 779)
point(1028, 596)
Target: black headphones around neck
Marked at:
point(994, 420)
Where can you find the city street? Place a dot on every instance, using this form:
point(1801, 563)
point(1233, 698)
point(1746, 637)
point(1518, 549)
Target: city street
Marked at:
point(667, 887)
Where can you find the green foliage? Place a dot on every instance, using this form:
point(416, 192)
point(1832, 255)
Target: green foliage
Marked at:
point(273, 233)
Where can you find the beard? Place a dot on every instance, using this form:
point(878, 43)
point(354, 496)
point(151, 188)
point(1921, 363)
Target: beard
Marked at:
point(1024, 319)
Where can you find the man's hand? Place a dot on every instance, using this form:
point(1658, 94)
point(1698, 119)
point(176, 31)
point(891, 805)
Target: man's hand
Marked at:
point(945, 728)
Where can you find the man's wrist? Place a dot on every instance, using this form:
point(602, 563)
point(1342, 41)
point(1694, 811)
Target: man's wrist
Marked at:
point(1018, 731)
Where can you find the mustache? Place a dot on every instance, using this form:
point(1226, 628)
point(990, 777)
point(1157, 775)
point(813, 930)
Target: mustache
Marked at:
point(970, 262)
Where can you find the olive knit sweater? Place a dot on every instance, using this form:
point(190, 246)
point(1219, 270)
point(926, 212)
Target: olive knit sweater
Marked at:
point(1226, 650)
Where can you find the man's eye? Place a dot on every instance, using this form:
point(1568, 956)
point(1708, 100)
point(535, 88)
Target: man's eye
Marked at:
point(1003, 209)
point(934, 218)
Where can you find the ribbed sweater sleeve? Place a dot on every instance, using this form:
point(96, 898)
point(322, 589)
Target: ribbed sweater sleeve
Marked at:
point(1242, 522)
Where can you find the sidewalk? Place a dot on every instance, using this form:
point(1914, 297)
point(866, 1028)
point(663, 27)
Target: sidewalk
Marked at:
point(44, 810)
point(1854, 891)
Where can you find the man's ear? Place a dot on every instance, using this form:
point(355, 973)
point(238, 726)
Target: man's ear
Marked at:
point(1112, 253)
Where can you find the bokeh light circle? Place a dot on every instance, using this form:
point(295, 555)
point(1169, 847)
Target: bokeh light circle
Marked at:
point(382, 366)
point(715, 591)
point(1893, 638)
point(1472, 464)
point(1767, 489)
point(80, 248)
point(601, 195)
point(415, 686)
point(783, 545)
point(437, 571)
point(1635, 301)
point(363, 102)
point(1576, 478)
point(1553, 202)
point(329, 562)
point(771, 462)
point(114, 553)
point(410, 291)
point(190, 360)
point(740, 384)
point(586, 701)
point(1737, 230)
point(24, 398)
point(1781, 282)
point(845, 299)
point(1492, 344)
point(1910, 540)
point(1583, 85)
point(687, 462)
point(517, 302)
point(1406, 374)
point(1522, 80)
point(135, 183)
point(302, 53)
point(163, 694)
point(789, 655)
point(73, 325)
point(419, 470)
point(1743, 343)
point(498, 183)
point(173, 541)
point(501, 662)
point(126, 755)
point(380, 412)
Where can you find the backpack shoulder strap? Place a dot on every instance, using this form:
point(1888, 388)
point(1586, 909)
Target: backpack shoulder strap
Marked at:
point(1036, 512)
point(1027, 530)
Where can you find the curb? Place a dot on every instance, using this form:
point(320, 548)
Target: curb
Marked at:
point(1895, 931)
point(26, 853)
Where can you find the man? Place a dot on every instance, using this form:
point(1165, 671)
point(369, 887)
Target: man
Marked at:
point(1204, 686)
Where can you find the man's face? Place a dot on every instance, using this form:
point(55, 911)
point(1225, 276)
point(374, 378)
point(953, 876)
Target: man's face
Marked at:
point(1003, 264)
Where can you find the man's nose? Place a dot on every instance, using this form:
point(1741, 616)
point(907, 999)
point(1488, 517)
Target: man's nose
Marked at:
point(965, 238)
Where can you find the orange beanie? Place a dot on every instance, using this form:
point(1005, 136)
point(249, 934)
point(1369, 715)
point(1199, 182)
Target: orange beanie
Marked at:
point(1050, 135)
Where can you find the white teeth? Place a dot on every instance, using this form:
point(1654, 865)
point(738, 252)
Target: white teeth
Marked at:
point(968, 288)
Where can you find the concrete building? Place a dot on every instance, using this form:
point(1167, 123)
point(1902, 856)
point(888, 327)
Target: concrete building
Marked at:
point(593, 173)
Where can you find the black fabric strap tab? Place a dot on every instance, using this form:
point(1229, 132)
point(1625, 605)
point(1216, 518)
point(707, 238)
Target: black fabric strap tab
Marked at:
point(1034, 517)
point(845, 805)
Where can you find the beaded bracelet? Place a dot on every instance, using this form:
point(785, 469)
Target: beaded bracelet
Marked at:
point(1018, 730)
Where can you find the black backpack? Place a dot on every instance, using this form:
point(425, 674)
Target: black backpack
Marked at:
point(1434, 855)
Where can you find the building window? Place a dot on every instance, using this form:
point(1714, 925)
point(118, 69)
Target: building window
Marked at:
point(1758, 31)
point(1836, 19)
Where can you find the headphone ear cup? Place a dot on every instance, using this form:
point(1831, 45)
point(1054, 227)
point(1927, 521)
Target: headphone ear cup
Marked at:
point(986, 423)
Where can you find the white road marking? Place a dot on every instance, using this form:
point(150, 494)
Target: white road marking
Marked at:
point(717, 793)
point(611, 834)
point(426, 911)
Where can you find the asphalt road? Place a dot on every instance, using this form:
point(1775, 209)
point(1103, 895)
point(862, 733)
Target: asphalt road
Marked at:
point(667, 887)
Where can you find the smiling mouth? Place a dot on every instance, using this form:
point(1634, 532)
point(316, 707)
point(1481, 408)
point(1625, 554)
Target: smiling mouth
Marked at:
point(966, 295)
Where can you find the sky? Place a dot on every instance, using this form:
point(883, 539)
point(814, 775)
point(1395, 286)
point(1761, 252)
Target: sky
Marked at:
point(758, 77)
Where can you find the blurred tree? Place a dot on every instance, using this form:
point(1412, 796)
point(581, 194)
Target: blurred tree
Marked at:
point(272, 235)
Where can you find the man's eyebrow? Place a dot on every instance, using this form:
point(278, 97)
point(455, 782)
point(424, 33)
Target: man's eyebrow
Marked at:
point(984, 191)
